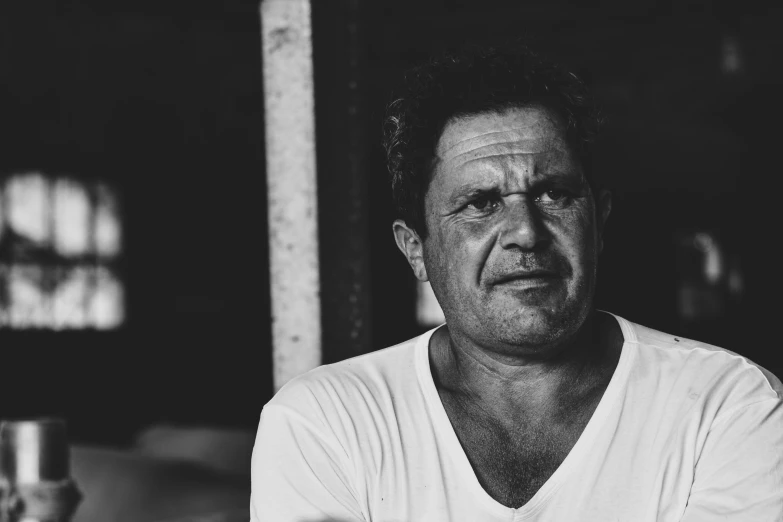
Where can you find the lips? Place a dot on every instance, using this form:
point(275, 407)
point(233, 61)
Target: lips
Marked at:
point(526, 275)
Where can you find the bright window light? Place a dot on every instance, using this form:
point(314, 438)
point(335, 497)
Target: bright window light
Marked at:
point(28, 210)
point(29, 306)
point(60, 244)
point(71, 218)
point(108, 237)
point(106, 305)
point(69, 299)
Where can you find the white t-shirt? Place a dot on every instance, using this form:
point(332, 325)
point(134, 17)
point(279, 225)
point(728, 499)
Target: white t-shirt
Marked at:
point(684, 432)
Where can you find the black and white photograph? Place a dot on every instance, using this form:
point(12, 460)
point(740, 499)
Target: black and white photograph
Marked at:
point(390, 261)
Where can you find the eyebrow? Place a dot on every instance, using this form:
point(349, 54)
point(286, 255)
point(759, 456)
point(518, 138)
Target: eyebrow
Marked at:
point(470, 190)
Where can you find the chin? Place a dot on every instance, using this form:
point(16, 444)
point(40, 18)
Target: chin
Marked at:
point(538, 326)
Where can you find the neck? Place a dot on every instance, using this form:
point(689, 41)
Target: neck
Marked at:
point(557, 381)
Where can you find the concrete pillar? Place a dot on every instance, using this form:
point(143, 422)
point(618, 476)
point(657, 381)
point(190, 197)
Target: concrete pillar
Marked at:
point(291, 187)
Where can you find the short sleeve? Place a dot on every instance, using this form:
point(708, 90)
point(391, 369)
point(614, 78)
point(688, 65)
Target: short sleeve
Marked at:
point(739, 475)
point(299, 473)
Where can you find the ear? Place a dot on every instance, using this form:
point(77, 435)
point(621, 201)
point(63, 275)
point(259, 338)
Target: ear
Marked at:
point(604, 202)
point(412, 247)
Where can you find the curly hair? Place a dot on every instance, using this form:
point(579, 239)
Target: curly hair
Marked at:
point(466, 83)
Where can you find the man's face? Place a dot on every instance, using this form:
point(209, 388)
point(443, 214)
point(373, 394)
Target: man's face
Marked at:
point(513, 235)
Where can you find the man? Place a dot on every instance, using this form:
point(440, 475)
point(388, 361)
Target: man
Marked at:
point(527, 404)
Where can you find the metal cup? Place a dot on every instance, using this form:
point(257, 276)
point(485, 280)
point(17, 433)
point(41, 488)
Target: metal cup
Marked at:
point(35, 457)
point(33, 451)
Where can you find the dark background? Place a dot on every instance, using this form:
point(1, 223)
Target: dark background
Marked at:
point(165, 100)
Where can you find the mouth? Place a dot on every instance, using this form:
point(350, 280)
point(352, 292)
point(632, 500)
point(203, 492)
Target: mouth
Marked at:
point(528, 278)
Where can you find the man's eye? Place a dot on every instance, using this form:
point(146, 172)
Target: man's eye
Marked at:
point(484, 203)
point(554, 197)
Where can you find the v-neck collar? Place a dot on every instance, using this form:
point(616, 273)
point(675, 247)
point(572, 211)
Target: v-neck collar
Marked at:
point(578, 452)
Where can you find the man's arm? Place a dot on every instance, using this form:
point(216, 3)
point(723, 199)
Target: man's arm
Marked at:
point(299, 473)
point(739, 475)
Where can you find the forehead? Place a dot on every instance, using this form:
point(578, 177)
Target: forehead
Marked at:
point(530, 131)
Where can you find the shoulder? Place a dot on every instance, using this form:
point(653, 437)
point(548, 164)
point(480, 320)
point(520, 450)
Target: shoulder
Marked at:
point(679, 366)
point(353, 383)
point(352, 406)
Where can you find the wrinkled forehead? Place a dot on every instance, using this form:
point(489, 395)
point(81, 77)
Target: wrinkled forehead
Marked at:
point(532, 130)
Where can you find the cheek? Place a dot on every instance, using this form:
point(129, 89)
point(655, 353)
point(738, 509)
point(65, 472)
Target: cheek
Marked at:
point(447, 251)
point(471, 244)
point(581, 237)
point(457, 253)
point(575, 233)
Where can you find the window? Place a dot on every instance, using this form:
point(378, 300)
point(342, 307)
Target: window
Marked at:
point(60, 247)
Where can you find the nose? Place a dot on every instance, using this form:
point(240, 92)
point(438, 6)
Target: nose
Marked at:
point(523, 226)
